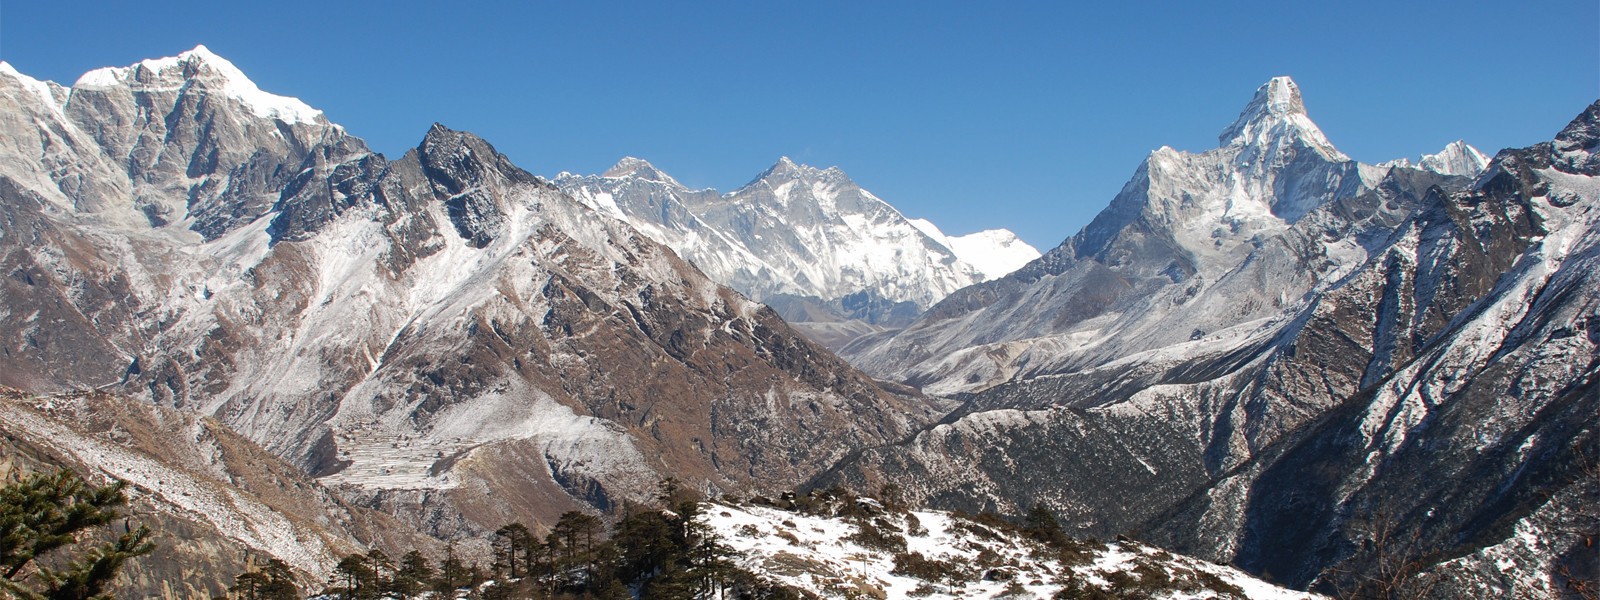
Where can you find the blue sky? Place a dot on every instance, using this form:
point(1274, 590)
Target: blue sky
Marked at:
point(1022, 115)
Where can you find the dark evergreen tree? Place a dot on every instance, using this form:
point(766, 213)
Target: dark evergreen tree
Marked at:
point(275, 581)
point(413, 575)
point(511, 544)
point(354, 578)
point(248, 585)
point(453, 574)
point(43, 514)
point(572, 547)
point(1042, 525)
point(382, 570)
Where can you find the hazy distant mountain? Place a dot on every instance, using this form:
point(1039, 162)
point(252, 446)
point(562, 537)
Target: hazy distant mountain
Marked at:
point(829, 256)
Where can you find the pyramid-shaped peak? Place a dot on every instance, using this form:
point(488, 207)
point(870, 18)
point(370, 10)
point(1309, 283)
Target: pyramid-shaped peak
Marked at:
point(637, 168)
point(201, 54)
point(1275, 101)
point(1457, 158)
point(786, 165)
point(1277, 111)
point(1280, 96)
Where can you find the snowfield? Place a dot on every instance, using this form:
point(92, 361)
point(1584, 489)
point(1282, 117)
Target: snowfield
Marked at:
point(841, 556)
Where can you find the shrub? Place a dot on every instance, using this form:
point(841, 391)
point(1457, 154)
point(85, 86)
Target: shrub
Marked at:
point(914, 564)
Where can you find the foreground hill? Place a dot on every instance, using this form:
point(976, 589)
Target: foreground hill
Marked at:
point(839, 548)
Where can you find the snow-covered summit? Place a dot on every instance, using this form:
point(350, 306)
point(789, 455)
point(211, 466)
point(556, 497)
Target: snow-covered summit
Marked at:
point(44, 90)
point(795, 231)
point(1458, 158)
point(203, 64)
point(1277, 114)
point(994, 252)
point(787, 170)
point(638, 168)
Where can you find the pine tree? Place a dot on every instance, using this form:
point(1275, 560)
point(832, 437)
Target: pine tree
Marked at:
point(453, 574)
point(358, 579)
point(275, 581)
point(412, 576)
point(510, 543)
point(45, 513)
point(1041, 524)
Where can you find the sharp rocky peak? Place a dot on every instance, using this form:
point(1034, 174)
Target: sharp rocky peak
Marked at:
point(465, 158)
point(1577, 147)
point(1457, 158)
point(1583, 131)
point(638, 168)
point(786, 169)
point(1275, 112)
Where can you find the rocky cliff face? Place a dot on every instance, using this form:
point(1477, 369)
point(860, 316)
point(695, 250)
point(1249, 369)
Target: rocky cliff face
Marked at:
point(1416, 402)
point(442, 334)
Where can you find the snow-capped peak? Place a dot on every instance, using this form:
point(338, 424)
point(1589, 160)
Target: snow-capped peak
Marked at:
point(638, 168)
point(786, 169)
point(1458, 158)
point(1276, 112)
point(197, 63)
point(993, 252)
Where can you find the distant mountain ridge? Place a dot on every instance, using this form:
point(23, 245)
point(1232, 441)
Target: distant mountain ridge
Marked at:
point(830, 256)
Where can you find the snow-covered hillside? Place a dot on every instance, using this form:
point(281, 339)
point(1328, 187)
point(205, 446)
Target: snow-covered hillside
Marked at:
point(872, 552)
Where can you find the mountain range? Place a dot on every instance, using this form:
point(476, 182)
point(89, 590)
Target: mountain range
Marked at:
point(1266, 354)
point(441, 334)
point(830, 257)
point(1270, 355)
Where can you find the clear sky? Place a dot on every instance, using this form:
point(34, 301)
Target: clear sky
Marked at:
point(975, 115)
